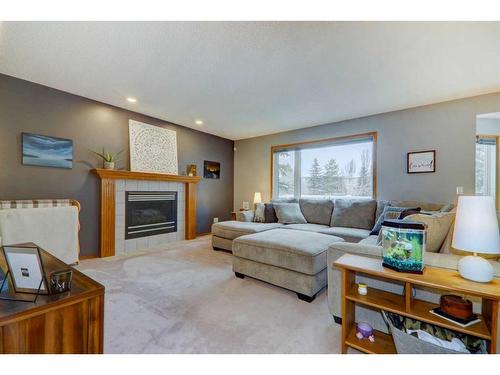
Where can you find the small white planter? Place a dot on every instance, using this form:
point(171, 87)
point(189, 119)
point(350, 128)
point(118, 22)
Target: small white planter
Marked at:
point(109, 165)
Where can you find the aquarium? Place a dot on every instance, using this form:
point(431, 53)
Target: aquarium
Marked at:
point(403, 244)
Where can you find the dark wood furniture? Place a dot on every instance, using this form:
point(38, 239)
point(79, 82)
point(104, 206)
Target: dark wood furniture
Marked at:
point(434, 278)
point(70, 322)
point(108, 178)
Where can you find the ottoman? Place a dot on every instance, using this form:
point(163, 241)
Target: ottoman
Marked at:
point(291, 259)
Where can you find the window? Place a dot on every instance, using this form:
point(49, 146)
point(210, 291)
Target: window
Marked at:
point(327, 168)
point(486, 165)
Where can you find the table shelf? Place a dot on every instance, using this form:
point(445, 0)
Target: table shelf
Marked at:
point(418, 309)
point(405, 305)
point(383, 343)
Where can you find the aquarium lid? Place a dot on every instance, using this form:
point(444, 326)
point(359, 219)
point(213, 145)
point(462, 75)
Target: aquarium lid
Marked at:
point(403, 224)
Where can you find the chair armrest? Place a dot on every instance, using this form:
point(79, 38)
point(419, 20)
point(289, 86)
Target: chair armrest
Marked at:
point(245, 215)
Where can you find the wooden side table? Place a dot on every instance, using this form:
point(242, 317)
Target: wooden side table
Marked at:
point(406, 305)
point(69, 322)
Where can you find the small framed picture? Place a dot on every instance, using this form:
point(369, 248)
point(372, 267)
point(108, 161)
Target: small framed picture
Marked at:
point(211, 169)
point(421, 162)
point(26, 269)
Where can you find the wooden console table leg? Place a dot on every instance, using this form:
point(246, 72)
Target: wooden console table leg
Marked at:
point(490, 314)
point(348, 307)
point(107, 242)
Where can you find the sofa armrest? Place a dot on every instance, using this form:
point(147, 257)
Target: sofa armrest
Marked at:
point(247, 215)
point(335, 251)
point(342, 248)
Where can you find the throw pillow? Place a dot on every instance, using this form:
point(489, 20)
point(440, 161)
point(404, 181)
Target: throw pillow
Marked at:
point(289, 213)
point(391, 212)
point(317, 211)
point(270, 213)
point(352, 213)
point(438, 226)
point(259, 216)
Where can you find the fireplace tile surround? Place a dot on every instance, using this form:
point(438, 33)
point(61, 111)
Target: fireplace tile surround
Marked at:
point(125, 246)
point(115, 183)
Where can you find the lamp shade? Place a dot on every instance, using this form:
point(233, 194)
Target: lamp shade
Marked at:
point(257, 198)
point(476, 225)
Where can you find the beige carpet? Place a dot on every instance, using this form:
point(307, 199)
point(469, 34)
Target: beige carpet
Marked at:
point(184, 298)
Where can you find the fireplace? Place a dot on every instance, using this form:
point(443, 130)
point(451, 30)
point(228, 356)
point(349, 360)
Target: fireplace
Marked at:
point(149, 213)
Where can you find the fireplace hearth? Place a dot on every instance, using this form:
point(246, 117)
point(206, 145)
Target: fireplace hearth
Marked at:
point(149, 213)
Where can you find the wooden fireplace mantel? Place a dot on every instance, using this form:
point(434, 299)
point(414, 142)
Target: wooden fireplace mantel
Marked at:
point(108, 177)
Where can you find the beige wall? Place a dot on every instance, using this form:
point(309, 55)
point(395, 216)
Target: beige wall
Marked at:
point(448, 127)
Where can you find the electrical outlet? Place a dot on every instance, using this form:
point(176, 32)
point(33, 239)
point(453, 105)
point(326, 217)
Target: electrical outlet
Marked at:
point(216, 219)
point(460, 190)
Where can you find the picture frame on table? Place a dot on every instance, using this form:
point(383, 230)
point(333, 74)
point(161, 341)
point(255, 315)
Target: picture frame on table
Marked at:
point(25, 268)
point(421, 162)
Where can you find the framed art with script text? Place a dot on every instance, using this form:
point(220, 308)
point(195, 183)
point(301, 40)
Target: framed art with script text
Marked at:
point(421, 162)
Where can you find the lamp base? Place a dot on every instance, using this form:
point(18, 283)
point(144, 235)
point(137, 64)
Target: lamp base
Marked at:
point(476, 269)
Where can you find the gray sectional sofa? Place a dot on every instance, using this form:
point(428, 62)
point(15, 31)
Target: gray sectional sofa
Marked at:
point(300, 257)
point(294, 256)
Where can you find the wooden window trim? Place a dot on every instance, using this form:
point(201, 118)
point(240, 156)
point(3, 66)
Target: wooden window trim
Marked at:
point(373, 135)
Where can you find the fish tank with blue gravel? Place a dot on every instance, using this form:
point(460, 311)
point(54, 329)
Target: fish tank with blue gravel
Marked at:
point(403, 244)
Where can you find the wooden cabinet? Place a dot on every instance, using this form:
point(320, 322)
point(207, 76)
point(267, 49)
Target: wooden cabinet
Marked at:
point(444, 280)
point(70, 322)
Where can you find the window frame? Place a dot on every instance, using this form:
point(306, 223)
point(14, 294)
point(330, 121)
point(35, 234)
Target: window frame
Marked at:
point(333, 140)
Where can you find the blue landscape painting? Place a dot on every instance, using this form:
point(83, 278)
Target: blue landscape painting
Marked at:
point(47, 151)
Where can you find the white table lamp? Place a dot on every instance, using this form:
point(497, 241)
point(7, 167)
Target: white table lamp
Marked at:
point(476, 231)
point(257, 198)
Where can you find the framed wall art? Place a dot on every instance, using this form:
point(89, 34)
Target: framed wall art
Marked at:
point(45, 151)
point(152, 148)
point(421, 162)
point(211, 169)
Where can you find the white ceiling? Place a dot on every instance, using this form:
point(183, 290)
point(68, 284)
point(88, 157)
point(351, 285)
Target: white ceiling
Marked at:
point(246, 79)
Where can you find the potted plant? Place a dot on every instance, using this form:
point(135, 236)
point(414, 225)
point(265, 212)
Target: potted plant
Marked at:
point(108, 158)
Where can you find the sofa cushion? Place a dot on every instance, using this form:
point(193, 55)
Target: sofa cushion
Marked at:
point(426, 206)
point(284, 200)
point(317, 211)
point(351, 213)
point(348, 234)
point(289, 213)
point(308, 227)
point(233, 229)
point(295, 250)
point(438, 226)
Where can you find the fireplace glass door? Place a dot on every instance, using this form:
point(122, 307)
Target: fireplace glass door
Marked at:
point(150, 213)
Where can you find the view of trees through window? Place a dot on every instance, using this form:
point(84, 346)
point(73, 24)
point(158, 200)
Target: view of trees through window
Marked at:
point(344, 169)
point(486, 166)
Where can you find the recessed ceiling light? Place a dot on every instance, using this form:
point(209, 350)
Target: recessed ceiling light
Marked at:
point(198, 122)
point(132, 100)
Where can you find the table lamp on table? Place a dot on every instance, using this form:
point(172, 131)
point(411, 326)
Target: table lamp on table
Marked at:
point(257, 198)
point(476, 231)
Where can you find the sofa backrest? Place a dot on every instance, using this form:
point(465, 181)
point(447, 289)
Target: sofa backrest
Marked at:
point(317, 211)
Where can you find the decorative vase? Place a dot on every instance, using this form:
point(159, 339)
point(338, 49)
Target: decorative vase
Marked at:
point(109, 165)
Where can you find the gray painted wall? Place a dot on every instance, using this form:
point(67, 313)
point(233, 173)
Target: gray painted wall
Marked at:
point(448, 127)
point(28, 107)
